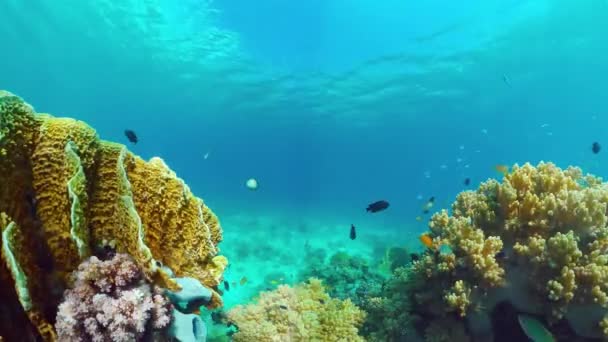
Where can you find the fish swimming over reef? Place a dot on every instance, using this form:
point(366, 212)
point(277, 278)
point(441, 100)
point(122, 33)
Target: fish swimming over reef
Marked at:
point(353, 232)
point(377, 206)
point(428, 205)
point(131, 136)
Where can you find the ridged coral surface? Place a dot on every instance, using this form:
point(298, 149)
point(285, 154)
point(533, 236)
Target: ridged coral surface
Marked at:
point(65, 193)
point(301, 313)
point(538, 239)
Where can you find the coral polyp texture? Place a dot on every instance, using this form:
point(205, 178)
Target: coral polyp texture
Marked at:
point(301, 313)
point(538, 240)
point(110, 301)
point(66, 194)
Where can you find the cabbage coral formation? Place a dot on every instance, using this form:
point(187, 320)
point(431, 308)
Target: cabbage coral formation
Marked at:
point(538, 239)
point(302, 313)
point(65, 193)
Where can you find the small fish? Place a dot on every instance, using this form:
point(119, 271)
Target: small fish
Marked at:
point(418, 218)
point(534, 329)
point(131, 136)
point(467, 181)
point(233, 283)
point(243, 281)
point(595, 147)
point(206, 155)
point(274, 282)
point(426, 240)
point(283, 307)
point(505, 79)
point(377, 206)
point(484, 131)
point(353, 232)
point(504, 169)
point(544, 125)
point(428, 205)
point(226, 285)
point(414, 257)
point(501, 255)
point(321, 301)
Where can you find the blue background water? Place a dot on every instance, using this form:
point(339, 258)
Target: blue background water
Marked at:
point(330, 105)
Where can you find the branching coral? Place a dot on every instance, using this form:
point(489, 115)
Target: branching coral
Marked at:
point(542, 222)
point(66, 194)
point(110, 301)
point(301, 313)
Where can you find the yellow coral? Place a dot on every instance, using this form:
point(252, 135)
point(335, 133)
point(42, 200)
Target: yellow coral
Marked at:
point(458, 297)
point(548, 221)
point(301, 313)
point(67, 193)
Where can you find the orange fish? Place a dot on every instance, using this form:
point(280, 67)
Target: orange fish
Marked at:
point(243, 281)
point(426, 240)
point(504, 169)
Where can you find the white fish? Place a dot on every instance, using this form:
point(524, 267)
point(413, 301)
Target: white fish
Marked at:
point(427, 174)
point(251, 184)
point(461, 147)
point(458, 160)
point(443, 166)
point(206, 155)
point(484, 131)
point(544, 125)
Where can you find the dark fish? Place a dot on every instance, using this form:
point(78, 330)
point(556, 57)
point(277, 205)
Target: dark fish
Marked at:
point(131, 136)
point(377, 206)
point(432, 199)
point(467, 181)
point(226, 285)
point(501, 255)
point(283, 307)
point(414, 257)
point(596, 147)
point(353, 232)
point(505, 79)
point(425, 211)
point(321, 301)
point(230, 332)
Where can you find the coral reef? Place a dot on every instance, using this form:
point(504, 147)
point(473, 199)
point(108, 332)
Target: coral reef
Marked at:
point(538, 240)
point(110, 301)
point(301, 313)
point(344, 275)
point(66, 195)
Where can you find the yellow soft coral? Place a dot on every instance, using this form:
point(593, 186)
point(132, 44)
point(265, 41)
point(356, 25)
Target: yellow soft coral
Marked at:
point(301, 313)
point(66, 193)
point(547, 223)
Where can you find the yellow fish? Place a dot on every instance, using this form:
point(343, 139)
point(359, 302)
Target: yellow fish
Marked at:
point(426, 240)
point(504, 169)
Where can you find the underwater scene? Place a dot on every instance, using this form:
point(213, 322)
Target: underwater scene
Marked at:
point(272, 170)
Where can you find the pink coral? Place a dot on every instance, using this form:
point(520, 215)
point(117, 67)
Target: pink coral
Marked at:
point(110, 301)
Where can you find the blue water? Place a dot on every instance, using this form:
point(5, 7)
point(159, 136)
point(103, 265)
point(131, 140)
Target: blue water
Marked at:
point(330, 105)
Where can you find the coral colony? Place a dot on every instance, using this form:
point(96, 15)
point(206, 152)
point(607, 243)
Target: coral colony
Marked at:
point(100, 245)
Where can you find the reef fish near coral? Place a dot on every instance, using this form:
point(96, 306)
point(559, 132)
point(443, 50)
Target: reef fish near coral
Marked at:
point(377, 206)
point(130, 134)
